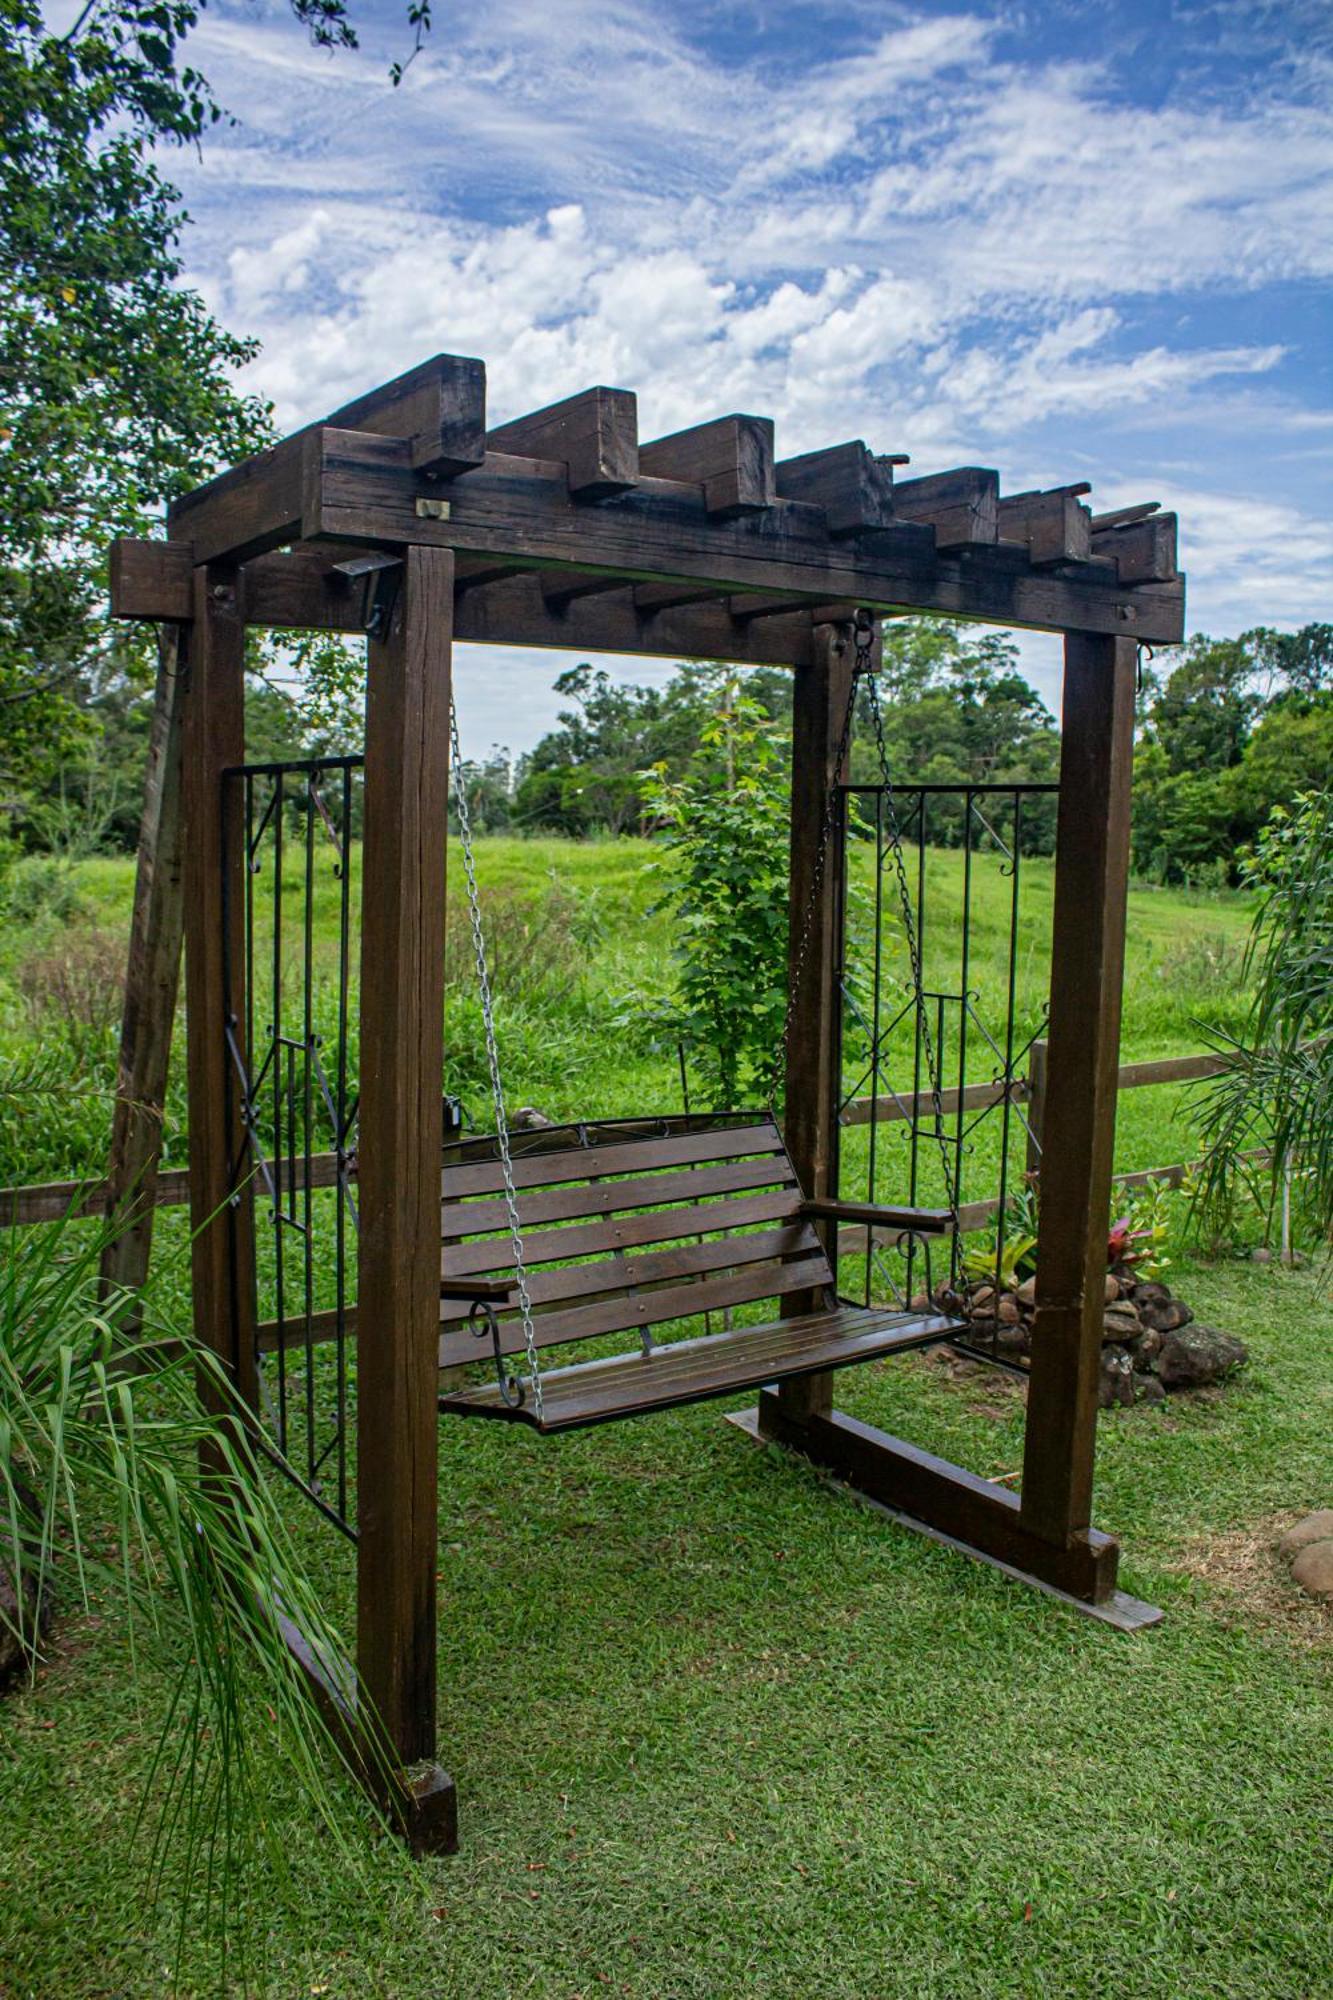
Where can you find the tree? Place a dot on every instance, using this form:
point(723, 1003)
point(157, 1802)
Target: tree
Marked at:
point(1204, 714)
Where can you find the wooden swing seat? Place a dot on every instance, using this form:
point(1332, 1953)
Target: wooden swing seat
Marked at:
point(716, 1219)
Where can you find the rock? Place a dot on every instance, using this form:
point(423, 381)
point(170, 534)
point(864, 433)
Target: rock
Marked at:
point(1192, 1356)
point(1121, 1322)
point(1146, 1348)
point(1013, 1340)
point(1008, 1312)
point(529, 1119)
point(1027, 1293)
point(1313, 1570)
point(1263, 1255)
point(1117, 1379)
point(921, 1302)
point(1152, 1292)
point(1165, 1314)
point(1147, 1389)
point(1124, 1277)
point(983, 1298)
point(1317, 1527)
point(1112, 1289)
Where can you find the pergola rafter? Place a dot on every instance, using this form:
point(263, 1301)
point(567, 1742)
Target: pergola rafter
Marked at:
point(405, 518)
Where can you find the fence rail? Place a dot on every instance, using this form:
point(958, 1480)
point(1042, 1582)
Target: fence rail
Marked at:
point(48, 1201)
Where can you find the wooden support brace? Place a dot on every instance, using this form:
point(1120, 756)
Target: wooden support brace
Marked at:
point(595, 434)
point(958, 1503)
point(851, 484)
point(731, 458)
point(962, 506)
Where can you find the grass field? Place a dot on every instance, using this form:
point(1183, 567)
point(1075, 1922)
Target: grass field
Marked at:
point(718, 1730)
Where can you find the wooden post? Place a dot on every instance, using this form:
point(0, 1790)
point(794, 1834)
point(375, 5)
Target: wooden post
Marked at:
point(1036, 1108)
point(213, 737)
point(814, 1048)
point(152, 975)
point(1091, 880)
point(399, 1151)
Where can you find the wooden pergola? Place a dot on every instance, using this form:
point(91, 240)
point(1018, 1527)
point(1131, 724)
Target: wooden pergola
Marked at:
point(404, 516)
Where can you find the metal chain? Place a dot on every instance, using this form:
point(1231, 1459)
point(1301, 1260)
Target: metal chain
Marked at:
point(493, 1063)
point(909, 927)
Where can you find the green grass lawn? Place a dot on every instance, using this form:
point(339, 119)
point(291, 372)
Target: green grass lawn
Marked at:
point(717, 1729)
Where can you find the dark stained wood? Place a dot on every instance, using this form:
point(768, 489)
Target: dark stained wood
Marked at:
point(595, 434)
point(1078, 1129)
point(694, 1371)
point(962, 506)
point(152, 976)
point(400, 1140)
point(852, 485)
point(1144, 550)
point(1121, 517)
point(578, 1163)
point(731, 458)
point(612, 1197)
point(222, 1245)
point(947, 1497)
point(260, 504)
point(920, 1221)
point(439, 407)
point(1054, 527)
point(820, 700)
point(618, 1233)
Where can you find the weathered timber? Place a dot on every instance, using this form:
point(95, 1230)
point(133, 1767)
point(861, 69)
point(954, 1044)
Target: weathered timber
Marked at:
point(1054, 527)
point(1144, 550)
point(962, 506)
point(947, 1497)
point(261, 503)
point(1121, 517)
point(816, 888)
point(852, 485)
point(495, 603)
point(152, 976)
point(438, 407)
point(595, 434)
point(222, 1247)
point(660, 531)
point(1078, 1126)
point(731, 458)
point(399, 1148)
point(881, 1215)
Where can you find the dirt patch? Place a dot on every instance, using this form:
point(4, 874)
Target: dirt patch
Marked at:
point(1245, 1568)
point(987, 1390)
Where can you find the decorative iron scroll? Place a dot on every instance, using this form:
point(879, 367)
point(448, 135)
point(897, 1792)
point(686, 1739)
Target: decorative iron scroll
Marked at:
point(935, 1106)
point(292, 1064)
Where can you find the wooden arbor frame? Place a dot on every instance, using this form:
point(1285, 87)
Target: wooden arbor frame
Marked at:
point(404, 515)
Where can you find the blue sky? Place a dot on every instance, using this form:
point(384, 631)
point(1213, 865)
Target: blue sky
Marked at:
point(1073, 241)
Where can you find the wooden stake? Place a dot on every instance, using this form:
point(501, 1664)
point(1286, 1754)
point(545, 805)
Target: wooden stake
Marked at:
point(401, 1135)
point(212, 738)
point(1078, 1125)
point(814, 1045)
point(152, 975)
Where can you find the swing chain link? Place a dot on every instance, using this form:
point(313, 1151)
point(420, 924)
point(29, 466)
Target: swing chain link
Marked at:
point(493, 1064)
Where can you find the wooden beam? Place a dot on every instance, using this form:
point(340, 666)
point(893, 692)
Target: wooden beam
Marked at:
point(661, 531)
point(260, 504)
point(439, 407)
point(731, 458)
point(1054, 527)
point(400, 1140)
point(222, 1248)
point(820, 698)
point(152, 975)
point(595, 435)
point(946, 1497)
point(1122, 517)
point(1144, 551)
point(962, 506)
point(851, 484)
point(1078, 1125)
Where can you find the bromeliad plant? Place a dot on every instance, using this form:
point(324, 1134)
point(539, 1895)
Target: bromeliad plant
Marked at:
point(118, 1479)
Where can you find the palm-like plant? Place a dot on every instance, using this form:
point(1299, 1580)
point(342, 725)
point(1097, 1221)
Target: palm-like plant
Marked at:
point(137, 1447)
point(1275, 1096)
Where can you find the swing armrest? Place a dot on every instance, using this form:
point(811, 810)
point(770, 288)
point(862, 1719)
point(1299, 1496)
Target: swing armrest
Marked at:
point(483, 1290)
point(917, 1221)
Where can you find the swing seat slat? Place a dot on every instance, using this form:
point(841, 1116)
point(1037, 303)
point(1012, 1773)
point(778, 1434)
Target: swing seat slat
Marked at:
point(633, 1224)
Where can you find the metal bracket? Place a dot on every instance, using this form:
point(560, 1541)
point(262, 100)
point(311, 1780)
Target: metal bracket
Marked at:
point(484, 1323)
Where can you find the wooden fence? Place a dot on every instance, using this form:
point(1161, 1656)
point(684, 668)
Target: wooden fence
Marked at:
point(48, 1201)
